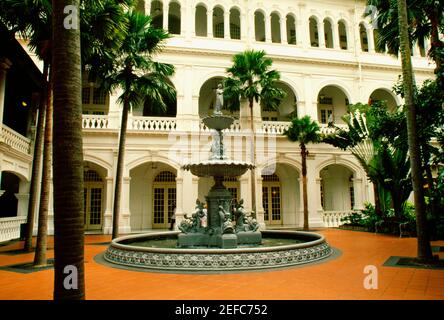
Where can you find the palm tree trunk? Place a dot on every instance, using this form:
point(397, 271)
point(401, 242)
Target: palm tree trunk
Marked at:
point(304, 185)
point(378, 210)
point(37, 160)
point(40, 249)
point(119, 171)
point(424, 249)
point(69, 278)
point(253, 161)
point(436, 43)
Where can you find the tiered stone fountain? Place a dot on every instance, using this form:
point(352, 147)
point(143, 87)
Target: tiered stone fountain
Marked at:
point(226, 242)
point(220, 231)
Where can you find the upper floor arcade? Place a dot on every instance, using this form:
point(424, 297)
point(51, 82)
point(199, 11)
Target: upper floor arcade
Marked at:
point(278, 26)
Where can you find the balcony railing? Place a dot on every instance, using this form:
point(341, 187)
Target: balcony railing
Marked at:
point(166, 124)
point(332, 219)
point(152, 124)
point(10, 228)
point(15, 140)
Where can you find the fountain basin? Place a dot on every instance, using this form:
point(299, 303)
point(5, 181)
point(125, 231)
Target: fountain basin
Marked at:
point(222, 168)
point(307, 247)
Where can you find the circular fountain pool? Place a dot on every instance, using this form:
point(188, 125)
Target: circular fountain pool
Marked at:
point(158, 251)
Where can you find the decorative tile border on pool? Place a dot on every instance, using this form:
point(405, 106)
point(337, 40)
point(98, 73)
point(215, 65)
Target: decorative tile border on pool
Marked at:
point(224, 261)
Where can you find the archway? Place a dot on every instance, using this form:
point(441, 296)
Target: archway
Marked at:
point(200, 21)
point(342, 30)
point(337, 190)
point(291, 29)
point(235, 24)
point(9, 188)
point(174, 18)
point(328, 30)
point(281, 195)
point(259, 26)
point(363, 37)
point(314, 34)
point(275, 28)
point(94, 196)
point(286, 110)
point(385, 96)
point(156, 14)
point(153, 194)
point(332, 105)
point(218, 22)
point(207, 98)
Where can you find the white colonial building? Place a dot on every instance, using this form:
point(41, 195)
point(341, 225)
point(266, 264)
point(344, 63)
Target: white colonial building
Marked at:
point(325, 52)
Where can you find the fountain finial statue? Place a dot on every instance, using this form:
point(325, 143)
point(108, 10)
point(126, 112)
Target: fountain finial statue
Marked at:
point(219, 99)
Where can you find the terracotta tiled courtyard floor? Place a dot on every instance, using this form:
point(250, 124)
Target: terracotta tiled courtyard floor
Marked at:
point(340, 278)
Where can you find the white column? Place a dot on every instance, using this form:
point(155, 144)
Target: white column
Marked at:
point(313, 195)
point(283, 21)
point(302, 28)
point(210, 23)
point(147, 7)
point(245, 190)
point(321, 34)
point(335, 35)
point(227, 24)
point(179, 197)
point(166, 7)
point(125, 214)
point(370, 40)
point(416, 52)
point(5, 64)
point(259, 204)
point(350, 38)
point(22, 205)
point(358, 188)
point(108, 212)
point(243, 25)
point(267, 21)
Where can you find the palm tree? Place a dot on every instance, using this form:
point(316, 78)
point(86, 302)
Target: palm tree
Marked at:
point(251, 78)
point(102, 23)
point(424, 249)
point(425, 20)
point(132, 69)
point(304, 131)
point(32, 20)
point(67, 154)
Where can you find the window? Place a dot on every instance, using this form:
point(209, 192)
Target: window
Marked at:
point(99, 96)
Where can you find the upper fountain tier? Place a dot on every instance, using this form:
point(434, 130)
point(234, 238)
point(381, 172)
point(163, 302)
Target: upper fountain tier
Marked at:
point(219, 165)
point(218, 121)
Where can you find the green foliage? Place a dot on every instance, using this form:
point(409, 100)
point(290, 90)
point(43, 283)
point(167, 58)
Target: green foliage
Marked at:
point(251, 78)
point(425, 20)
point(131, 67)
point(303, 130)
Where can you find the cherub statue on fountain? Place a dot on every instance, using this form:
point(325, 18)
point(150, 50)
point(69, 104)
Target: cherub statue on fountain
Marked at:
point(194, 223)
point(244, 220)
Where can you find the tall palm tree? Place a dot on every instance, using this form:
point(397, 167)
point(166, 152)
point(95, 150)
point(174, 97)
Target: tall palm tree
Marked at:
point(424, 249)
point(132, 68)
point(304, 131)
point(102, 26)
point(67, 154)
point(251, 78)
point(32, 21)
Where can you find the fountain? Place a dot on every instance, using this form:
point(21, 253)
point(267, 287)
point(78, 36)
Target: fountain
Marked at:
point(219, 230)
point(214, 238)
